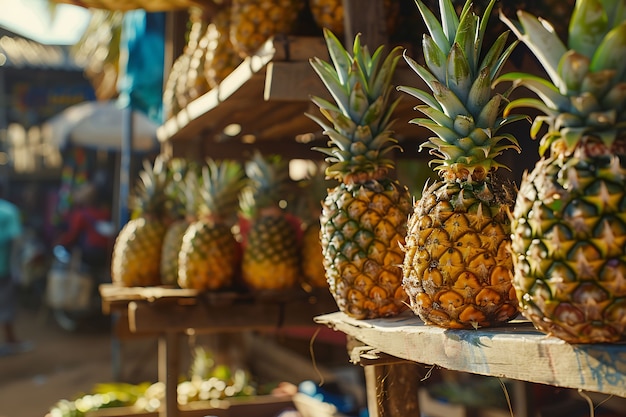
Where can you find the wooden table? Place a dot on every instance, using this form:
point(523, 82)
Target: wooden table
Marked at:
point(515, 351)
point(168, 313)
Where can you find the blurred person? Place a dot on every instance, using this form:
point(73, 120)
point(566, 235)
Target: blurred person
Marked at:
point(10, 231)
point(89, 228)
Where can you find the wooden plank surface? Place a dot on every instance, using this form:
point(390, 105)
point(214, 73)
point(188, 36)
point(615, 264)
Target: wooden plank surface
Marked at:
point(515, 351)
point(117, 297)
point(219, 312)
point(267, 96)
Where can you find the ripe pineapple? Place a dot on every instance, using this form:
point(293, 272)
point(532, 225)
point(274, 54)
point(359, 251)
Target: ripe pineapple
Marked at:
point(252, 22)
point(221, 58)
point(195, 83)
point(270, 240)
point(569, 221)
point(457, 267)
point(184, 187)
point(364, 217)
point(186, 80)
point(137, 249)
point(312, 259)
point(329, 14)
point(209, 254)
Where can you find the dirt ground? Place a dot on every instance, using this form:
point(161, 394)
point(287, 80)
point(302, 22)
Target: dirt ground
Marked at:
point(65, 364)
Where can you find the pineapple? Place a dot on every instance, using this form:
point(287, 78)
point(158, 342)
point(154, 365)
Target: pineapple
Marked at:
point(184, 187)
point(186, 80)
point(137, 249)
point(312, 259)
point(209, 254)
point(364, 217)
point(221, 58)
point(195, 83)
point(329, 14)
point(569, 221)
point(252, 22)
point(270, 236)
point(457, 266)
point(313, 272)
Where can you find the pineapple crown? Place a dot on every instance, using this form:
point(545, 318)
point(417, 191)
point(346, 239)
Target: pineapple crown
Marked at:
point(463, 111)
point(584, 93)
point(190, 190)
point(312, 191)
point(150, 197)
point(176, 188)
point(222, 181)
point(266, 185)
point(359, 132)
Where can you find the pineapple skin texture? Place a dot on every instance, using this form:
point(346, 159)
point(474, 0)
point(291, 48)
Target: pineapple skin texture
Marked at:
point(330, 14)
point(252, 22)
point(271, 258)
point(136, 255)
point(363, 228)
point(208, 257)
point(569, 245)
point(221, 59)
point(313, 270)
point(457, 267)
point(172, 242)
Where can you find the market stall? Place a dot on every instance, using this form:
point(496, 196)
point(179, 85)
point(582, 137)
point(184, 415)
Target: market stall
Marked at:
point(261, 105)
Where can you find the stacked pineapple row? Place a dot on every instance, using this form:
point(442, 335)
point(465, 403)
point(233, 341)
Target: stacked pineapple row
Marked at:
point(476, 252)
point(214, 226)
point(220, 38)
point(473, 251)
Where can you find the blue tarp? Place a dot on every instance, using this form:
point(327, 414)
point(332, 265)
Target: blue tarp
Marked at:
point(140, 82)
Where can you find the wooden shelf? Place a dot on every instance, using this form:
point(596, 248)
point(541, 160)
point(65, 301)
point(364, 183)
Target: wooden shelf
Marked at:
point(167, 313)
point(515, 351)
point(267, 96)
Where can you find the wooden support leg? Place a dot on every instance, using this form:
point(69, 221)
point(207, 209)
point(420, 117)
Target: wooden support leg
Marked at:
point(523, 401)
point(392, 384)
point(168, 372)
point(392, 389)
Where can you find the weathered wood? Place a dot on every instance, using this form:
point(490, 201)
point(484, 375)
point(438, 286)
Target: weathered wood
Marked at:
point(515, 351)
point(365, 17)
point(392, 390)
point(224, 312)
point(299, 48)
point(395, 389)
point(294, 81)
point(169, 365)
point(189, 121)
point(144, 317)
point(117, 297)
point(268, 96)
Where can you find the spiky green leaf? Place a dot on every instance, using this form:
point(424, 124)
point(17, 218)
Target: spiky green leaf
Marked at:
point(542, 41)
point(434, 27)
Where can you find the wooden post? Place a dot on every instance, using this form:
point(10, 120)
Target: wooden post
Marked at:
point(366, 17)
point(392, 384)
point(392, 389)
point(168, 372)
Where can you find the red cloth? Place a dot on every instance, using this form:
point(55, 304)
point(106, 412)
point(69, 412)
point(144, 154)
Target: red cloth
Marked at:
point(81, 228)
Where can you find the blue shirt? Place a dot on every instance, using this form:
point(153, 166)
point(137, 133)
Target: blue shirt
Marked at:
point(10, 228)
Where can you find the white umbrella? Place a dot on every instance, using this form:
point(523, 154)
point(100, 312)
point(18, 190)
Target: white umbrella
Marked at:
point(99, 124)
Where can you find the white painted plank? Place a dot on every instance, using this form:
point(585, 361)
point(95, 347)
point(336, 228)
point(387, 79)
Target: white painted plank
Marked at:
point(516, 351)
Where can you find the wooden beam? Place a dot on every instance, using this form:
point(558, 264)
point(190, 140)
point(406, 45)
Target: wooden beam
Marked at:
point(515, 351)
point(295, 81)
point(367, 18)
point(392, 390)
